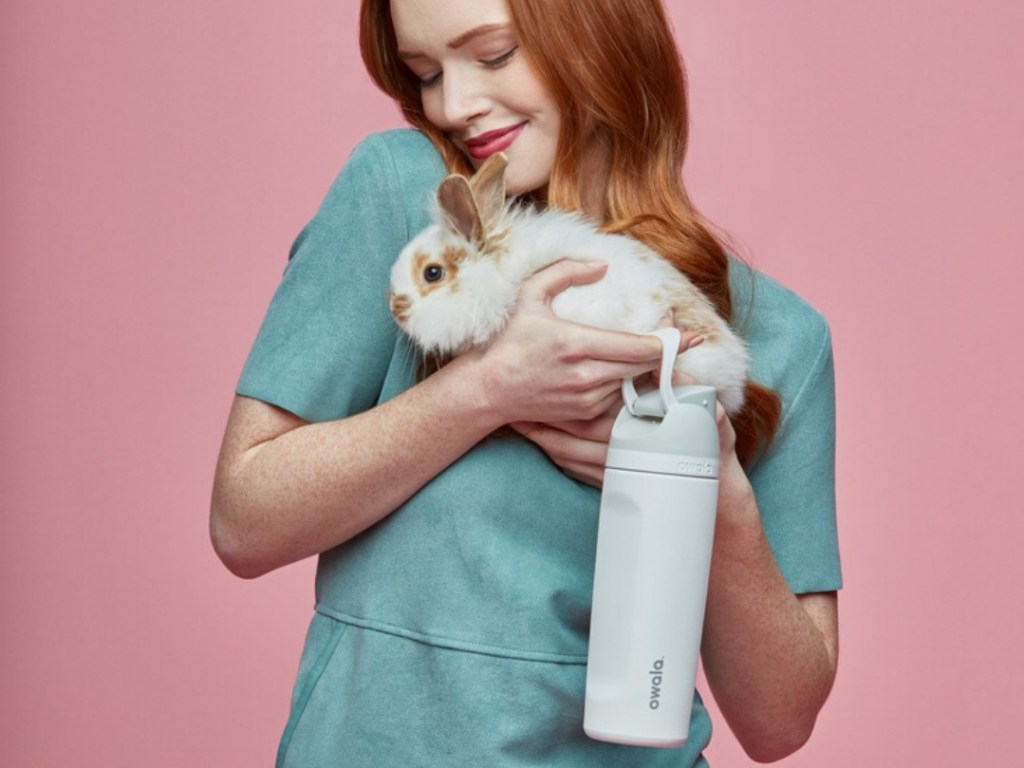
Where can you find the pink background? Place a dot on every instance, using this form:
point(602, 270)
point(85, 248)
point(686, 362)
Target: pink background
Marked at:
point(156, 159)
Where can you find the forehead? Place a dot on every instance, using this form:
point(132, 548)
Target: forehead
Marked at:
point(428, 25)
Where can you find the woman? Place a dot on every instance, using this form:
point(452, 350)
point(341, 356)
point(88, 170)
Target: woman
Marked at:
point(455, 566)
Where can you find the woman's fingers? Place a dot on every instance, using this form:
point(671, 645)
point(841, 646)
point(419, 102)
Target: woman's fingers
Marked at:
point(547, 283)
point(688, 341)
point(580, 458)
point(562, 446)
point(639, 348)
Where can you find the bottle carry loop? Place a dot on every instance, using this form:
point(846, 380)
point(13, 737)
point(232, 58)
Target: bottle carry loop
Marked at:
point(650, 404)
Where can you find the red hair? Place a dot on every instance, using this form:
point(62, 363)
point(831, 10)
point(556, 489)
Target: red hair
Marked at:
point(635, 109)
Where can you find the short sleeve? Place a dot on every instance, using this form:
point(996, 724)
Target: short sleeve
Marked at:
point(327, 339)
point(795, 480)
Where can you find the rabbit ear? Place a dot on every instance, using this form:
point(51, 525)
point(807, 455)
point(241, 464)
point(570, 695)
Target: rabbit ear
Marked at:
point(456, 200)
point(488, 185)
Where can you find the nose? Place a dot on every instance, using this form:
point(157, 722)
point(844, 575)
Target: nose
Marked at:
point(464, 94)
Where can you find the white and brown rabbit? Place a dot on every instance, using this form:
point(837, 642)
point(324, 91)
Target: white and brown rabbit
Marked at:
point(455, 284)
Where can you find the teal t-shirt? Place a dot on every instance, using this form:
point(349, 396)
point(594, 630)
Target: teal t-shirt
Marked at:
point(454, 632)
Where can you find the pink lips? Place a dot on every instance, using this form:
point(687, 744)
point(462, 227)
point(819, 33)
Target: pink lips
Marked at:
point(486, 144)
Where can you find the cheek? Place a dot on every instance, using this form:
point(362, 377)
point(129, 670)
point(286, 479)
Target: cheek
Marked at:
point(551, 114)
point(433, 106)
point(524, 86)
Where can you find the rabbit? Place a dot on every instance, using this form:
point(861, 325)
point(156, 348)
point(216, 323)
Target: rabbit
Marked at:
point(455, 284)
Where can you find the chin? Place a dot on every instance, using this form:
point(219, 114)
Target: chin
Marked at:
point(535, 183)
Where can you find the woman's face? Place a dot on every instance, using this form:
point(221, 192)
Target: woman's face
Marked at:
point(478, 86)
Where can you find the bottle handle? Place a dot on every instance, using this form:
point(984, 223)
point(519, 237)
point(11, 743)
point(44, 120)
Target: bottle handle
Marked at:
point(670, 338)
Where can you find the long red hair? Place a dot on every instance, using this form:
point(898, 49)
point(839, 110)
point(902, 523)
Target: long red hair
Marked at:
point(635, 108)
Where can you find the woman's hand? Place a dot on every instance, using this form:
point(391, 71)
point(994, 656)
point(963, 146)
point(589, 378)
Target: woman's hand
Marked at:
point(733, 485)
point(579, 447)
point(543, 369)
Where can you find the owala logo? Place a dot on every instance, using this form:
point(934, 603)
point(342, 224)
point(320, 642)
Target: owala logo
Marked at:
point(696, 467)
point(656, 673)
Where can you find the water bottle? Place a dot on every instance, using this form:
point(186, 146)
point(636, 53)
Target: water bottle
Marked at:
point(655, 533)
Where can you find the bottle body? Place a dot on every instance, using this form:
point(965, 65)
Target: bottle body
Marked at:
point(655, 534)
point(650, 585)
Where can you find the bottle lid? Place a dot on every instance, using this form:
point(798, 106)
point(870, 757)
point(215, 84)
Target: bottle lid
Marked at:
point(671, 430)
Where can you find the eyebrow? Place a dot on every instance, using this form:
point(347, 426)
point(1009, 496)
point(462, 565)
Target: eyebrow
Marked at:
point(460, 40)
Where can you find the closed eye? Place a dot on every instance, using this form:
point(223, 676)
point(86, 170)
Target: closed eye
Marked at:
point(502, 60)
point(426, 82)
point(494, 63)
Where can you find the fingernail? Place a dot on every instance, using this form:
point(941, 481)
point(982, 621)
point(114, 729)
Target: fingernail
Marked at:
point(696, 341)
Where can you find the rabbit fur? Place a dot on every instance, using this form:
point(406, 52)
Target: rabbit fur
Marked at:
point(455, 284)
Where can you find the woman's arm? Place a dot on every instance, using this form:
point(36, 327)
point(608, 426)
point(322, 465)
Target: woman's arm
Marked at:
point(286, 489)
point(769, 656)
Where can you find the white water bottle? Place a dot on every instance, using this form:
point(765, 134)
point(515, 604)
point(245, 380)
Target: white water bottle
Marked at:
point(655, 533)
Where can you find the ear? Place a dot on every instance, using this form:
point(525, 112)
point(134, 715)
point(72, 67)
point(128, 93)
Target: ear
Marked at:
point(488, 185)
point(456, 200)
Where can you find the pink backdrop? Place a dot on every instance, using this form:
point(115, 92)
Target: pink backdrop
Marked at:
point(156, 160)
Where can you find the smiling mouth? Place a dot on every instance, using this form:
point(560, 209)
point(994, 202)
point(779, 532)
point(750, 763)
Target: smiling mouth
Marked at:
point(486, 144)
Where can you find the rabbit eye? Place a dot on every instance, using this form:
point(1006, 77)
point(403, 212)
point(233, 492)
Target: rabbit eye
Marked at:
point(433, 272)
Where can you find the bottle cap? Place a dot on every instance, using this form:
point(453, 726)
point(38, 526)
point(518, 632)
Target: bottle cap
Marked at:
point(671, 430)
